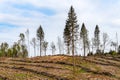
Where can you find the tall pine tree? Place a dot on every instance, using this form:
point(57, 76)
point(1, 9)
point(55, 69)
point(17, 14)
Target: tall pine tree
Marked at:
point(67, 37)
point(71, 31)
point(84, 37)
point(97, 38)
point(40, 36)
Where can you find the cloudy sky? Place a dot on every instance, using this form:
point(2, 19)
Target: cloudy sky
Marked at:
point(16, 16)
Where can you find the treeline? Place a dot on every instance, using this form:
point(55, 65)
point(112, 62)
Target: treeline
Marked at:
point(94, 46)
point(74, 37)
point(18, 49)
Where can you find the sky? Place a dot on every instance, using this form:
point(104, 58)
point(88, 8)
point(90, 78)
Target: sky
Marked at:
point(16, 16)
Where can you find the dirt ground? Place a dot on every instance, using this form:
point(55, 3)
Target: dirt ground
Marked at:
point(60, 68)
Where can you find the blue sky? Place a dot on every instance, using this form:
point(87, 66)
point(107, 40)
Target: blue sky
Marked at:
point(17, 16)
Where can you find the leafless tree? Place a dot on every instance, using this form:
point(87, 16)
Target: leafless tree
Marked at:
point(33, 43)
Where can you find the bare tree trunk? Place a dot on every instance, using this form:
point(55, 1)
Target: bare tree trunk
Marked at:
point(62, 47)
point(45, 52)
point(89, 49)
point(35, 50)
point(28, 44)
point(52, 51)
point(103, 47)
point(92, 48)
point(84, 50)
point(73, 55)
point(27, 34)
point(73, 48)
point(40, 47)
point(68, 50)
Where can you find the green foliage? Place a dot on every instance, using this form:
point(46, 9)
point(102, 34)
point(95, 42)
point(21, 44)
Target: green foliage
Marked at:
point(40, 36)
point(17, 50)
point(4, 46)
point(82, 71)
point(119, 49)
point(84, 37)
point(113, 53)
point(67, 36)
point(97, 37)
point(40, 33)
point(99, 53)
point(107, 54)
point(90, 54)
point(1, 79)
point(22, 38)
point(21, 76)
point(24, 51)
point(10, 52)
point(71, 30)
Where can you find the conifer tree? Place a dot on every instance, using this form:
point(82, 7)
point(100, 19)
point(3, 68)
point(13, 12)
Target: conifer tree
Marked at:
point(84, 37)
point(40, 36)
point(67, 37)
point(97, 37)
point(71, 31)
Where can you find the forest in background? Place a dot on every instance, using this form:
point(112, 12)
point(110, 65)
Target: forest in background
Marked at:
point(75, 41)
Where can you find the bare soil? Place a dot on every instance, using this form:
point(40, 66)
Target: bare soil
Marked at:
point(60, 68)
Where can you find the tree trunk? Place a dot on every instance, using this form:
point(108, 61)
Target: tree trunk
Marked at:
point(73, 48)
point(35, 50)
point(59, 49)
point(68, 50)
point(73, 55)
point(45, 52)
point(52, 51)
point(92, 48)
point(28, 45)
point(84, 46)
point(103, 48)
point(84, 50)
point(40, 47)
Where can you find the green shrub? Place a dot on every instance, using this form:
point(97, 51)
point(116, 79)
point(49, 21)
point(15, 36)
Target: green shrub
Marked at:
point(1, 79)
point(98, 53)
point(90, 54)
point(113, 53)
point(107, 54)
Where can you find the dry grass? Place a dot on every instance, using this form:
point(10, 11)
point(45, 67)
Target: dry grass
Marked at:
point(60, 68)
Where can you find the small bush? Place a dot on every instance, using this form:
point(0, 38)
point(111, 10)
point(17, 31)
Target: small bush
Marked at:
point(90, 54)
point(98, 53)
point(1, 79)
point(113, 53)
point(107, 54)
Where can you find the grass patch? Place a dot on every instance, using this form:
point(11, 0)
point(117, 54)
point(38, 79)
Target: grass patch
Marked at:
point(97, 68)
point(21, 76)
point(82, 71)
point(1, 79)
point(68, 67)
